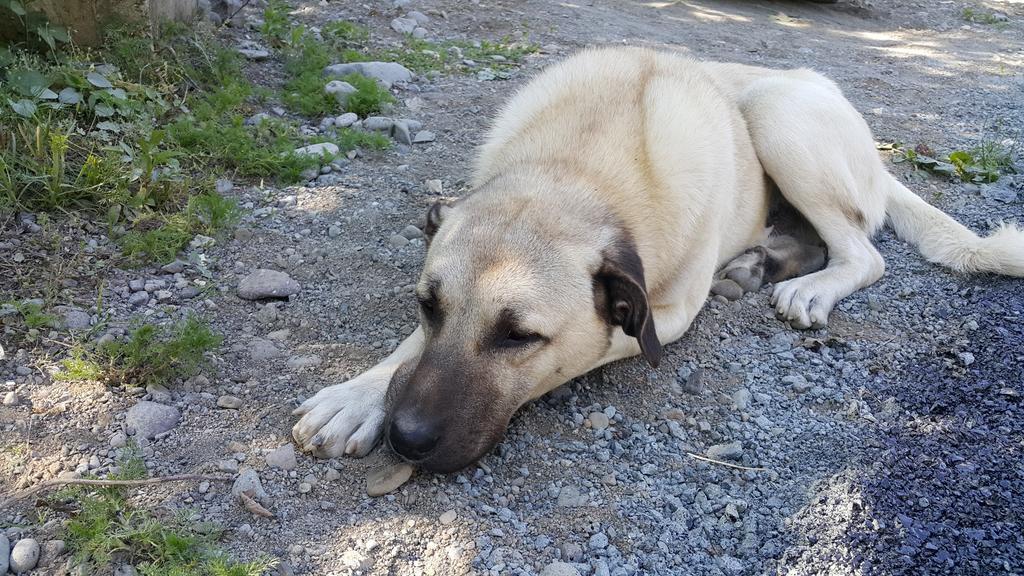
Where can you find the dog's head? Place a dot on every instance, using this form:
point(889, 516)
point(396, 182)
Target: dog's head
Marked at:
point(517, 296)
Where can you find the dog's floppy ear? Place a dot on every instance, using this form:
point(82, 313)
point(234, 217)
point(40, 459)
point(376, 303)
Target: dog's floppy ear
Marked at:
point(621, 297)
point(435, 216)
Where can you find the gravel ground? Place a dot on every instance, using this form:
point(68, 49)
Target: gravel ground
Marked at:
point(889, 443)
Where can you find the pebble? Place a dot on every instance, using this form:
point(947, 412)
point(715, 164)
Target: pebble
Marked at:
point(448, 517)
point(419, 17)
point(11, 398)
point(283, 457)
point(334, 231)
point(118, 440)
point(383, 480)
point(423, 136)
point(51, 550)
point(345, 120)
point(264, 283)
point(341, 91)
point(379, 123)
point(400, 132)
point(260, 349)
point(397, 241)
point(229, 402)
point(74, 318)
point(299, 362)
point(255, 55)
point(559, 569)
point(434, 186)
point(403, 25)
point(741, 398)
point(150, 418)
point(598, 420)
point(798, 383)
point(249, 481)
point(411, 232)
point(727, 451)
point(24, 555)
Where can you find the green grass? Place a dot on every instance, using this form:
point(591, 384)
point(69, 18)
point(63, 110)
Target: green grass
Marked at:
point(370, 97)
point(157, 355)
point(981, 16)
point(348, 139)
point(32, 314)
point(79, 368)
point(107, 526)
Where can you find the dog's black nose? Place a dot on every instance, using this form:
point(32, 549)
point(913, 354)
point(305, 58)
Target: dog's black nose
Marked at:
point(412, 440)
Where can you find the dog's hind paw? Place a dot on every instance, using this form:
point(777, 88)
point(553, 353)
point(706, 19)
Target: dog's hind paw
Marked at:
point(343, 419)
point(803, 302)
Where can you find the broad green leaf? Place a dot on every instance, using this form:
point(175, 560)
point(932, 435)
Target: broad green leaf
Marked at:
point(118, 93)
point(46, 94)
point(27, 82)
point(103, 110)
point(44, 33)
point(109, 126)
point(23, 107)
point(16, 7)
point(98, 80)
point(69, 96)
point(60, 34)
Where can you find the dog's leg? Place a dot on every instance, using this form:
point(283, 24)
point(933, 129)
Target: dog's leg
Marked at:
point(780, 258)
point(820, 153)
point(348, 418)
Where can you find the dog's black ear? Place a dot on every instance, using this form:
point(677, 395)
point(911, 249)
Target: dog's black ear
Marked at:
point(435, 216)
point(621, 297)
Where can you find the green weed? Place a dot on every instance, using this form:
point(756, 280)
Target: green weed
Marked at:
point(154, 354)
point(370, 97)
point(349, 139)
point(981, 16)
point(32, 314)
point(108, 526)
point(79, 367)
point(984, 163)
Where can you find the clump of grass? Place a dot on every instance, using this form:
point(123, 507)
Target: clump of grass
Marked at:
point(79, 367)
point(349, 139)
point(981, 16)
point(342, 34)
point(108, 526)
point(154, 354)
point(370, 97)
point(32, 314)
point(158, 238)
point(305, 59)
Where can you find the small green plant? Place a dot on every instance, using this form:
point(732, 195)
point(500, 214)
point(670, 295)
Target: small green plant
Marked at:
point(158, 238)
point(342, 34)
point(79, 367)
point(981, 16)
point(211, 212)
point(275, 21)
point(984, 163)
point(32, 314)
point(349, 139)
point(108, 526)
point(370, 96)
point(157, 355)
point(34, 30)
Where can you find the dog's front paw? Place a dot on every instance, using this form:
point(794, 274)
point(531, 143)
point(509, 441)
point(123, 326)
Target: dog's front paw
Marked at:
point(803, 302)
point(346, 418)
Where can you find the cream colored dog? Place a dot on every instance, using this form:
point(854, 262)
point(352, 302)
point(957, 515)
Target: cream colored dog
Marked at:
point(610, 194)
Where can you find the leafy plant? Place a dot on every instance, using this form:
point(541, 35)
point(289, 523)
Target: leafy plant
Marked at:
point(153, 354)
point(32, 314)
point(981, 16)
point(984, 163)
point(370, 97)
point(107, 526)
point(35, 31)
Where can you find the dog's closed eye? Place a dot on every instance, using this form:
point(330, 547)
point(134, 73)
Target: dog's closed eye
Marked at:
point(516, 338)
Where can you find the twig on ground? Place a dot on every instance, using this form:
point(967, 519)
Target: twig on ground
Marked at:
point(720, 463)
point(91, 482)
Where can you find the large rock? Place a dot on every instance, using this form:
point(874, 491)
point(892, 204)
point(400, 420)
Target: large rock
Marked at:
point(265, 283)
point(319, 150)
point(386, 73)
point(150, 418)
point(25, 555)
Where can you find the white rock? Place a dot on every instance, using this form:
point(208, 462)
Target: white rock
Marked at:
point(403, 25)
point(386, 73)
point(345, 120)
point(319, 150)
point(378, 123)
point(264, 283)
point(10, 399)
point(423, 136)
point(25, 555)
point(256, 55)
point(283, 457)
point(249, 481)
point(150, 418)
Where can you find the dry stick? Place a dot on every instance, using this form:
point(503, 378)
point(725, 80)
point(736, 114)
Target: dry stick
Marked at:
point(720, 463)
point(89, 482)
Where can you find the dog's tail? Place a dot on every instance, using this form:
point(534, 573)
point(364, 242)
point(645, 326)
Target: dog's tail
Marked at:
point(945, 241)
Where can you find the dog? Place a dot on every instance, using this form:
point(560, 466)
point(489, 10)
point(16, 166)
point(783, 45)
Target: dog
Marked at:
point(610, 195)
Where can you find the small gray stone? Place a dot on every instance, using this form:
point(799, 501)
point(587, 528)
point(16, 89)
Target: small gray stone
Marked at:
point(24, 555)
point(249, 481)
point(118, 440)
point(150, 418)
point(345, 120)
point(174, 267)
point(137, 285)
point(229, 402)
point(379, 123)
point(741, 398)
point(267, 314)
point(229, 465)
point(299, 362)
point(598, 420)
point(411, 232)
point(1005, 190)
point(381, 481)
point(560, 569)
point(397, 241)
point(11, 398)
point(403, 25)
point(223, 186)
point(727, 451)
point(417, 16)
point(283, 457)
point(423, 136)
point(572, 551)
point(448, 517)
point(334, 231)
point(264, 283)
point(75, 318)
point(386, 73)
point(569, 496)
point(598, 541)
point(255, 55)
point(798, 383)
point(138, 299)
point(260, 349)
point(419, 32)
point(51, 550)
